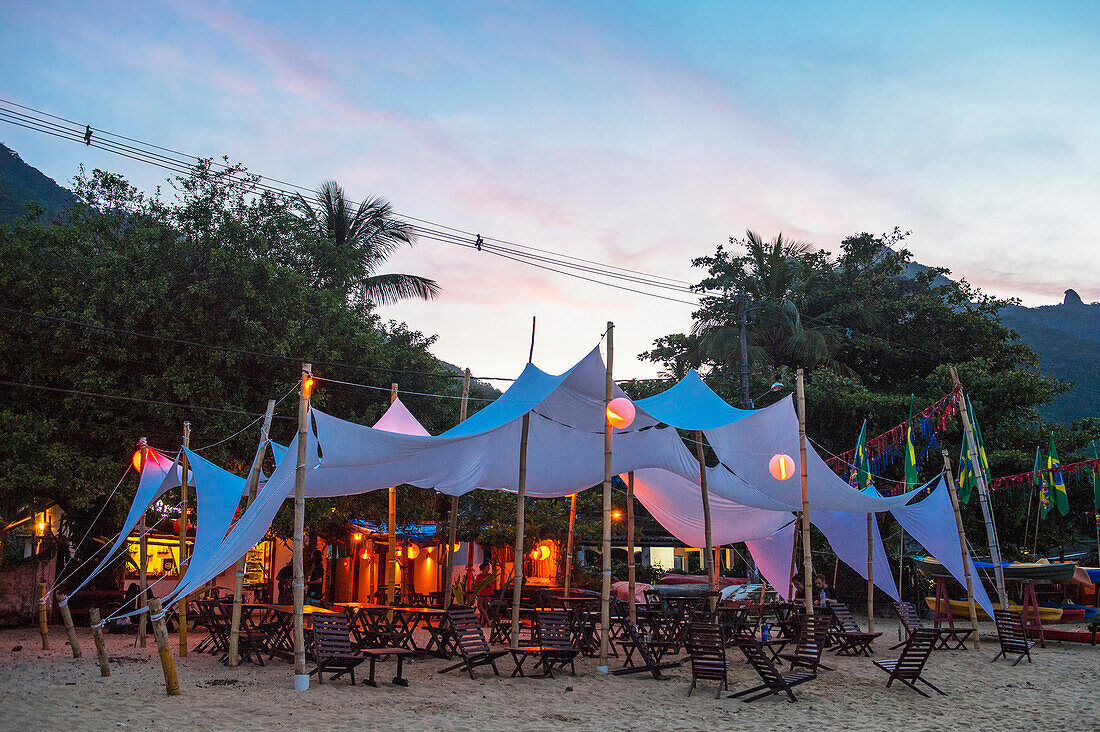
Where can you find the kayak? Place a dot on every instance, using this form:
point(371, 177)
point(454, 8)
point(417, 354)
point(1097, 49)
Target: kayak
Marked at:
point(1016, 571)
point(961, 609)
point(1087, 612)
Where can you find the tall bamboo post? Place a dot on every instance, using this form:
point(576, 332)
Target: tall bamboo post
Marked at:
point(605, 587)
point(983, 493)
point(517, 562)
point(301, 676)
point(100, 646)
point(70, 629)
point(143, 558)
point(569, 543)
point(1027, 523)
point(630, 546)
point(449, 569)
point(962, 545)
point(870, 573)
point(807, 561)
point(181, 566)
point(391, 531)
point(160, 632)
point(708, 553)
point(43, 602)
point(238, 578)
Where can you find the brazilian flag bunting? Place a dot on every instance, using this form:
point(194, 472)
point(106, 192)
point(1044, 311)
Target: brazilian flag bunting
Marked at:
point(1039, 480)
point(861, 465)
point(967, 481)
point(910, 451)
point(1057, 484)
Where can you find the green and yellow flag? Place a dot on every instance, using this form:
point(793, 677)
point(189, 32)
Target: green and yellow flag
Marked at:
point(967, 481)
point(861, 465)
point(910, 451)
point(1039, 480)
point(983, 461)
point(1057, 484)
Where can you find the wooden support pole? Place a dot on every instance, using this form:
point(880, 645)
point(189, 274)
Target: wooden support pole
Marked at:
point(452, 530)
point(983, 492)
point(100, 646)
point(391, 531)
point(43, 602)
point(962, 544)
point(517, 562)
point(569, 543)
point(238, 579)
point(143, 559)
point(630, 546)
point(160, 632)
point(870, 573)
point(70, 629)
point(182, 565)
point(708, 553)
point(807, 561)
point(605, 586)
point(301, 676)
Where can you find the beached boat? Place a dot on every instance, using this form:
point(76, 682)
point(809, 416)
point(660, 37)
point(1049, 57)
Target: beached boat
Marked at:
point(961, 609)
point(1015, 571)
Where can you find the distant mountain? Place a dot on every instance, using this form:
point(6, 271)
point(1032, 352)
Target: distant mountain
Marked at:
point(1067, 339)
point(20, 183)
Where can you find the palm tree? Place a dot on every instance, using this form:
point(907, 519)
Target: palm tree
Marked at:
point(354, 241)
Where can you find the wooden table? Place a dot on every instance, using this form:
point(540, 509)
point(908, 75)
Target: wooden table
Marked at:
point(279, 625)
point(399, 623)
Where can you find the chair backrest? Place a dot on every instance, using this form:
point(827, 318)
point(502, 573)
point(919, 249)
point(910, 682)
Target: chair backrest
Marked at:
point(468, 633)
point(844, 617)
point(915, 653)
point(652, 597)
point(330, 635)
point(708, 652)
point(1010, 630)
point(813, 632)
point(764, 666)
point(553, 629)
point(907, 614)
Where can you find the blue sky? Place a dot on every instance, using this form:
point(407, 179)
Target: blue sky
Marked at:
point(641, 134)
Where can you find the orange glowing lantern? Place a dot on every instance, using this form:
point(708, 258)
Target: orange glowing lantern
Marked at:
point(307, 385)
point(136, 461)
point(364, 553)
point(356, 537)
point(544, 552)
point(457, 547)
point(781, 466)
point(620, 412)
point(414, 551)
point(616, 514)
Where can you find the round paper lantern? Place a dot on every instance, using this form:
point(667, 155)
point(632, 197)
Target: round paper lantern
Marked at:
point(136, 461)
point(781, 466)
point(414, 551)
point(544, 552)
point(364, 553)
point(457, 547)
point(620, 412)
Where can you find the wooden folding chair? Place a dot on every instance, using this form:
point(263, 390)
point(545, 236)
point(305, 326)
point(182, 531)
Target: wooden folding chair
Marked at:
point(907, 668)
point(774, 681)
point(1010, 632)
point(470, 641)
point(907, 614)
point(649, 654)
point(851, 640)
point(708, 656)
point(813, 633)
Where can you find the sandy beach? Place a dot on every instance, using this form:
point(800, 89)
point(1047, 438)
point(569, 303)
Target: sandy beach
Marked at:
point(52, 690)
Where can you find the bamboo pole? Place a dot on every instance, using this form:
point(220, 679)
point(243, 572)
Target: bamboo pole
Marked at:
point(181, 566)
point(962, 544)
point(391, 532)
point(807, 561)
point(70, 629)
point(517, 562)
point(870, 573)
point(43, 628)
point(605, 587)
point(708, 553)
point(630, 546)
point(983, 494)
point(100, 646)
point(1027, 523)
point(449, 570)
point(301, 677)
point(238, 579)
point(160, 632)
point(569, 543)
point(143, 559)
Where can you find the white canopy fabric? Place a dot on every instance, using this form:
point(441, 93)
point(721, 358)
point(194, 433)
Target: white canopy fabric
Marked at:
point(932, 523)
point(847, 535)
point(772, 555)
point(159, 474)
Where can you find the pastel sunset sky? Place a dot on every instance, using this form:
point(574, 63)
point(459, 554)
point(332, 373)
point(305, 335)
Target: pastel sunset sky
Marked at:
point(638, 134)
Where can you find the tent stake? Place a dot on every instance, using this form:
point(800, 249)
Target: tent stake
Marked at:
point(182, 564)
point(70, 629)
point(160, 632)
point(143, 558)
point(605, 585)
point(97, 636)
point(807, 562)
point(983, 494)
point(708, 553)
point(962, 544)
point(449, 569)
point(870, 574)
point(301, 678)
point(517, 560)
point(391, 535)
point(569, 543)
point(630, 546)
point(238, 579)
